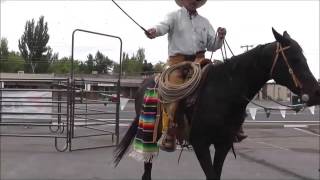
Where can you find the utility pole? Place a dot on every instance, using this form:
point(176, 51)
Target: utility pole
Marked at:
point(246, 46)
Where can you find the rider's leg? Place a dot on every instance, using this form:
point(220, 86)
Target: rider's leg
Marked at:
point(168, 142)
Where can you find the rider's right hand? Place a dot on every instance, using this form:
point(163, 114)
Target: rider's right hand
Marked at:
point(151, 33)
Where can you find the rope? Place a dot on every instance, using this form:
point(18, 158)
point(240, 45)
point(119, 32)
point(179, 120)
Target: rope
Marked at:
point(223, 48)
point(170, 92)
point(296, 108)
point(225, 40)
point(215, 38)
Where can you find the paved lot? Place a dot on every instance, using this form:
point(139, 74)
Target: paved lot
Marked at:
point(273, 153)
point(276, 149)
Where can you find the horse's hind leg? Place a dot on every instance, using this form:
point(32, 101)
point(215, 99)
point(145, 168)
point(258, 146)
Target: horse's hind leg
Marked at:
point(220, 155)
point(202, 152)
point(147, 171)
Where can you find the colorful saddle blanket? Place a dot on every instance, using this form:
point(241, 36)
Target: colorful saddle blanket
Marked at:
point(145, 146)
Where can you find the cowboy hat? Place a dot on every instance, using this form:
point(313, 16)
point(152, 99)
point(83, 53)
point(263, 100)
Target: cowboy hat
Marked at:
point(202, 2)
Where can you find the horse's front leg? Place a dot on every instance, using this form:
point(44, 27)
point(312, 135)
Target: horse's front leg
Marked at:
point(221, 151)
point(147, 171)
point(202, 152)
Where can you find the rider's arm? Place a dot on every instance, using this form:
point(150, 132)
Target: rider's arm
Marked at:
point(213, 41)
point(166, 25)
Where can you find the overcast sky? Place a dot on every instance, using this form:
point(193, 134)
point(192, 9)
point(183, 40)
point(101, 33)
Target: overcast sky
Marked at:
point(247, 23)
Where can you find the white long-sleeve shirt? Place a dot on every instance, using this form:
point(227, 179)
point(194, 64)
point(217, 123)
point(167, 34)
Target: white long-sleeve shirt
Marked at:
point(187, 34)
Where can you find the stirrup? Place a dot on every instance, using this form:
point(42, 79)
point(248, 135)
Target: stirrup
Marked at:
point(168, 143)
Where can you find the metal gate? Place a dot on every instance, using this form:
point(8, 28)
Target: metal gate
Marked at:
point(65, 110)
point(35, 112)
point(83, 119)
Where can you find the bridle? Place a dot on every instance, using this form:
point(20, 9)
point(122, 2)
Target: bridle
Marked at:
point(281, 50)
point(296, 81)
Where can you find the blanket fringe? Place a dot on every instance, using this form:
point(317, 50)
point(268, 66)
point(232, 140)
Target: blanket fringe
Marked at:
point(143, 156)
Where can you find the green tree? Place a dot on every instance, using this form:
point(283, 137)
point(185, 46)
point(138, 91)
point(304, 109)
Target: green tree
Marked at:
point(63, 66)
point(116, 66)
point(9, 61)
point(15, 62)
point(147, 68)
point(33, 46)
point(159, 67)
point(103, 63)
point(82, 67)
point(4, 54)
point(140, 57)
point(50, 56)
point(90, 64)
point(134, 64)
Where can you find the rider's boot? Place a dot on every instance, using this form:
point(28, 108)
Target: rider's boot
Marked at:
point(168, 140)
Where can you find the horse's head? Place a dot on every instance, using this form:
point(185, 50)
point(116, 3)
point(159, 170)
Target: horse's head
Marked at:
point(290, 68)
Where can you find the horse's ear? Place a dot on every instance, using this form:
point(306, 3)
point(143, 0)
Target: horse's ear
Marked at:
point(286, 35)
point(277, 35)
point(284, 40)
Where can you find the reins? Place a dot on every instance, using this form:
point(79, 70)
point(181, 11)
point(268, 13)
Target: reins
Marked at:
point(297, 83)
point(223, 49)
point(279, 49)
point(295, 108)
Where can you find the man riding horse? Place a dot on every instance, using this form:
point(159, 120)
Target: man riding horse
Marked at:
point(222, 97)
point(189, 36)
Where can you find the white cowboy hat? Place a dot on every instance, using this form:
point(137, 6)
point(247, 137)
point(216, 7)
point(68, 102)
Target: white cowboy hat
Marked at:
point(202, 2)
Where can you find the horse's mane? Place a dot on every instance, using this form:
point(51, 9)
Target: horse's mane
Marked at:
point(245, 60)
point(234, 78)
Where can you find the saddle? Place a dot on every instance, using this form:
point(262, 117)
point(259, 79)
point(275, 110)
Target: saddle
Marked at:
point(184, 123)
point(180, 130)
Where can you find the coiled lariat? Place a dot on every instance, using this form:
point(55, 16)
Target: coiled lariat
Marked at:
point(170, 92)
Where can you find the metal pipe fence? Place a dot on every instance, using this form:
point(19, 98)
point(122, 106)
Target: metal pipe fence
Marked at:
point(31, 112)
point(46, 113)
point(66, 107)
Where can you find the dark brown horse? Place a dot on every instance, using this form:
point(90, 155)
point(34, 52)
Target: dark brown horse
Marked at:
point(221, 105)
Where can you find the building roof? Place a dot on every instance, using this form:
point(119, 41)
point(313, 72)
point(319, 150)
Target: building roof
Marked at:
point(25, 76)
point(127, 81)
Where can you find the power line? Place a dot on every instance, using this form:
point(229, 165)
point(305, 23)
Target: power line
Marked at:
point(246, 46)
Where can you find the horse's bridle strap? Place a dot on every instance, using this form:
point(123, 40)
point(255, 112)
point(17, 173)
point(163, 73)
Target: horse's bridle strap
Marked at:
point(281, 50)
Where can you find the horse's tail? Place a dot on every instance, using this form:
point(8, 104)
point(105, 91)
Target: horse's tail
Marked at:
point(122, 147)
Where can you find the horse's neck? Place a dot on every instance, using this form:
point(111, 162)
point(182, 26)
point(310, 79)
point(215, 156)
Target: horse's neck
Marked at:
point(251, 70)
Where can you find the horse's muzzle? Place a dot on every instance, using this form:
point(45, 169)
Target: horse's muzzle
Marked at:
point(305, 97)
point(312, 98)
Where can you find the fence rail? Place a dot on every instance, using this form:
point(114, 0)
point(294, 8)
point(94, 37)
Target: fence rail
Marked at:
point(46, 113)
point(50, 111)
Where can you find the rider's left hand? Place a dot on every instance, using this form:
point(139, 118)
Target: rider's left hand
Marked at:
point(222, 32)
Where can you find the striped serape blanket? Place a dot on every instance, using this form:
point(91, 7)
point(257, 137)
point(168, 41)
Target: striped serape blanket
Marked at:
point(145, 146)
